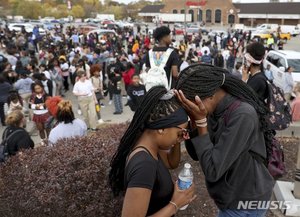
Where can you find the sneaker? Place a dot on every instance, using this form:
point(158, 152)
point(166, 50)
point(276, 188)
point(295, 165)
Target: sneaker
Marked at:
point(43, 142)
point(110, 102)
point(102, 105)
point(94, 129)
point(100, 121)
point(79, 112)
point(117, 113)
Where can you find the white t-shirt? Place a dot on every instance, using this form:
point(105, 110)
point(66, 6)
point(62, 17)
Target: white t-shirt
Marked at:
point(63, 131)
point(205, 48)
point(85, 88)
point(47, 74)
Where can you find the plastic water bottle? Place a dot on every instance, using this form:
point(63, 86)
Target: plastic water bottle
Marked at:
point(185, 179)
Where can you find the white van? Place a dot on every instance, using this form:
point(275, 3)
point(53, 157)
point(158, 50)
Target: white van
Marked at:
point(293, 30)
point(279, 61)
point(268, 26)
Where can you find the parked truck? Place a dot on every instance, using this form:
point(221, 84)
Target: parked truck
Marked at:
point(174, 18)
point(105, 17)
point(293, 30)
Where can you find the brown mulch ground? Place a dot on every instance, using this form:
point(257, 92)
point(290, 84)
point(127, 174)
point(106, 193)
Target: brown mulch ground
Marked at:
point(203, 206)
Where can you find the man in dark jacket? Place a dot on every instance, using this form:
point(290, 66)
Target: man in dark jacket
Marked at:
point(219, 60)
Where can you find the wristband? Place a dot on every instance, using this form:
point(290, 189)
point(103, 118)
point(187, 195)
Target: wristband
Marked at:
point(175, 205)
point(202, 121)
point(202, 125)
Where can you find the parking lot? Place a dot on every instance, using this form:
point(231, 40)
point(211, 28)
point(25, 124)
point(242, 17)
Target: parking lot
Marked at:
point(107, 112)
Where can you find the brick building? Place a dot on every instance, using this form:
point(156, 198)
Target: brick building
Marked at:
point(225, 12)
point(209, 11)
point(252, 14)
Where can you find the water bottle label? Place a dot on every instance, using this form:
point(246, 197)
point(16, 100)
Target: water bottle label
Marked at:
point(184, 185)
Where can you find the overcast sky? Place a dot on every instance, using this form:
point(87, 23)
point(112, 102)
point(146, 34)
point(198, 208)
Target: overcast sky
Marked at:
point(248, 1)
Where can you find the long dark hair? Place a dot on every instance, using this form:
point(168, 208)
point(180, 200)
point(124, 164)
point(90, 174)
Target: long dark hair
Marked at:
point(151, 109)
point(204, 80)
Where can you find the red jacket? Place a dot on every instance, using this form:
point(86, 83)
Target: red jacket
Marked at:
point(127, 76)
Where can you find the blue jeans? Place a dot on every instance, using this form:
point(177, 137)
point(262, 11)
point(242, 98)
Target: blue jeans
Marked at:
point(118, 103)
point(242, 213)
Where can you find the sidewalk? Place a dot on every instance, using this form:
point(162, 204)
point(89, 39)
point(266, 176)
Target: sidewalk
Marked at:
point(292, 131)
point(106, 113)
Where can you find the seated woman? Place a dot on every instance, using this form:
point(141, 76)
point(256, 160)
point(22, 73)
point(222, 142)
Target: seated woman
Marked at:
point(20, 139)
point(149, 147)
point(68, 126)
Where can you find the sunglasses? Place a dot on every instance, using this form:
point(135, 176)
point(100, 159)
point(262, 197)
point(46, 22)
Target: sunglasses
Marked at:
point(185, 133)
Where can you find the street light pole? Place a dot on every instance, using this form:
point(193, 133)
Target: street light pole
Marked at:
point(185, 14)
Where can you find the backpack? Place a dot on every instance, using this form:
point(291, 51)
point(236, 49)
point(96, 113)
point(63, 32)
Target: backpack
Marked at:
point(275, 163)
point(4, 143)
point(157, 76)
point(280, 110)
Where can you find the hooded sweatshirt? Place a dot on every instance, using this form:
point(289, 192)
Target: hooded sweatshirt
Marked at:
point(232, 173)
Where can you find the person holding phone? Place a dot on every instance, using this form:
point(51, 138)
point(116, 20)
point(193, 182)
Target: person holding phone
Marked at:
point(253, 73)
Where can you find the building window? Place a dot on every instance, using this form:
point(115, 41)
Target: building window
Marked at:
point(218, 15)
point(175, 11)
point(182, 11)
point(208, 16)
point(200, 14)
point(231, 19)
point(192, 15)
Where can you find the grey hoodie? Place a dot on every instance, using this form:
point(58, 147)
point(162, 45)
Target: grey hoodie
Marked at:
point(231, 172)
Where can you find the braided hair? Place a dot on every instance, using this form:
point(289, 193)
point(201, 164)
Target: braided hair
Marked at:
point(204, 80)
point(151, 109)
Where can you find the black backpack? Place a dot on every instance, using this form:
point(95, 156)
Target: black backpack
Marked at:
point(280, 115)
point(4, 143)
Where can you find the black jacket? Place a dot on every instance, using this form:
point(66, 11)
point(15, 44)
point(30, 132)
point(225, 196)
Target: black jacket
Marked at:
point(115, 81)
point(232, 174)
point(21, 140)
point(136, 95)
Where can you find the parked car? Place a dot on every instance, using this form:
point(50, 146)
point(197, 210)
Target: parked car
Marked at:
point(28, 27)
point(268, 27)
point(264, 35)
point(293, 30)
point(279, 61)
point(212, 34)
point(204, 31)
point(102, 32)
point(86, 28)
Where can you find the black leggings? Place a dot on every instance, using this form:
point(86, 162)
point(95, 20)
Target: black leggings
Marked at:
point(66, 83)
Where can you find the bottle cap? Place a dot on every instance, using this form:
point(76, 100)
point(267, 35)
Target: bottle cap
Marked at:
point(187, 166)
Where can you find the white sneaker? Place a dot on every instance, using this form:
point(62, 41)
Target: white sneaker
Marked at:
point(100, 121)
point(79, 112)
point(110, 102)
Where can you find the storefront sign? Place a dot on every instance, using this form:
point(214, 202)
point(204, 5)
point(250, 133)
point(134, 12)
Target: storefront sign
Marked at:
point(196, 4)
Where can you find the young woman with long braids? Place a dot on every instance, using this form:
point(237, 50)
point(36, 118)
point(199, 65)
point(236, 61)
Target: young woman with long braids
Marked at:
point(230, 138)
point(150, 146)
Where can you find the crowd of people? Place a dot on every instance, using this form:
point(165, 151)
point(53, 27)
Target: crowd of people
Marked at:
point(36, 73)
